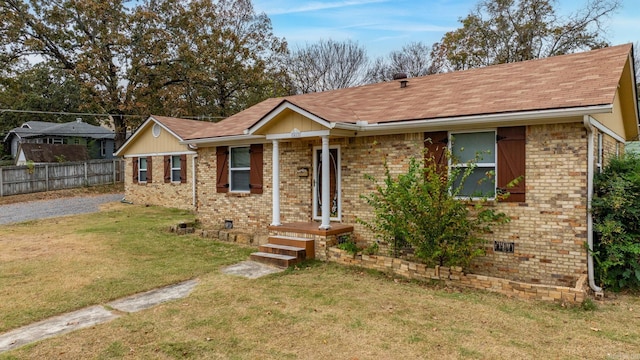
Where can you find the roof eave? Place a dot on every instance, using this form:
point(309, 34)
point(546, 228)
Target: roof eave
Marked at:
point(512, 118)
point(224, 140)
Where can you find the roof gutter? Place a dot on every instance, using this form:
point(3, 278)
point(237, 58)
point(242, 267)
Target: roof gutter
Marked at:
point(524, 117)
point(513, 118)
point(222, 139)
point(590, 173)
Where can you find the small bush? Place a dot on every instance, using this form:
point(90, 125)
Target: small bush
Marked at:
point(347, 244)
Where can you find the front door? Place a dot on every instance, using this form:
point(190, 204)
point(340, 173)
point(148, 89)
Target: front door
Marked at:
point(334, 187)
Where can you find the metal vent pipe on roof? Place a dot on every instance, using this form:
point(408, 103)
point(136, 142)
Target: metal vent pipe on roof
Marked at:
point(403, 83)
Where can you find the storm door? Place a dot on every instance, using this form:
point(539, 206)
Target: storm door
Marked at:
point(335, 206)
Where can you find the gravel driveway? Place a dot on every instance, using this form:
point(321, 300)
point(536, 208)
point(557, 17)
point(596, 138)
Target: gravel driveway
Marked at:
point(42, 209)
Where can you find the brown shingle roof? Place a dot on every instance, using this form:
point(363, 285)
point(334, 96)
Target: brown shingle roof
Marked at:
point(560, 82)
point(181, 127)
point(53, 153)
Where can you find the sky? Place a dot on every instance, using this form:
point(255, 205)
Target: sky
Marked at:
point(382, 26)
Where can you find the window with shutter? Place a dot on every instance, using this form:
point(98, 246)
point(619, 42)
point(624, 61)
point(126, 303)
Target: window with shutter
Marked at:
point(502, 159)
point(239, 169)
point(183, 168)
point(435, 144)
point(222, 169)
point(511, 163)
point(135, 170)
point(176, 168)
point(255, 171)
point(149, 169)
point(167, 168)
point(142, 169)
point(474, 155)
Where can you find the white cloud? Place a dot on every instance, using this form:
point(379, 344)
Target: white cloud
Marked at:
point(317, 6)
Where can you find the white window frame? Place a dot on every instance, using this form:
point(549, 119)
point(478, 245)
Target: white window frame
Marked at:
point(103, 148)
point(54, 140)
point(232, 169)
point(488, 165)
point(173, 168)
point(141, 170)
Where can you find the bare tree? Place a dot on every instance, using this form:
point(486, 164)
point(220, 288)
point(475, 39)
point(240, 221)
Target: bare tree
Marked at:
point(413, 60)
point(502, 31)
point(327, 65)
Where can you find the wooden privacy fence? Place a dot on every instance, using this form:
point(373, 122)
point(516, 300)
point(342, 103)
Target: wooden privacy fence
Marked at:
point(46, 177)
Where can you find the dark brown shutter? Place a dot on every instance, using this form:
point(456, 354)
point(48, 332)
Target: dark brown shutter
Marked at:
point(435, 144)
point(222, 169)
point(511, 162)
point(135, 170)
point(255, 173)
point(149, 169)
point(183, 168)
point(167, 168)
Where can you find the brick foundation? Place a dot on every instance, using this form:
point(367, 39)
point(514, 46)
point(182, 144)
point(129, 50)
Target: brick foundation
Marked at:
point(456, 277)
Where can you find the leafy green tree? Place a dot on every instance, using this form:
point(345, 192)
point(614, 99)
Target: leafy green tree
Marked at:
point(504, 31)
point(616, 213)
point(41, 88)
point(203, 57)
point(422, 207)
point(85, 39)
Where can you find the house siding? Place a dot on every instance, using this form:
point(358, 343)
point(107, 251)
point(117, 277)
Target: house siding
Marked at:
point(250, 212)
point(157, 192)
point(549, 230)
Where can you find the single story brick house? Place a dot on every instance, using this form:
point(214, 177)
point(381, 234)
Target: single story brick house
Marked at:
point(554, 122)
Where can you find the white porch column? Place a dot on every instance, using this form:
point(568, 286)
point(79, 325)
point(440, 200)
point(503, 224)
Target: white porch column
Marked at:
point(326, 183)
point(275, 212)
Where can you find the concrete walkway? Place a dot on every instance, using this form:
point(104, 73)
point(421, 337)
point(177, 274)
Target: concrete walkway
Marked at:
point(92, 315)
point(99, 314)
point(251, 269)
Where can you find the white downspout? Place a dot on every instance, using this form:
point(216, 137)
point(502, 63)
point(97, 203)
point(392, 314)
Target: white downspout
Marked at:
point(193, 181)
point(590, 174)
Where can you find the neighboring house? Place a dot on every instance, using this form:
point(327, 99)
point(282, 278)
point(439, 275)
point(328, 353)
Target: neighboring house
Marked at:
point(50, 153)
point(160, 170)
point(99, 141)
point(552, 121)
point(632, 147)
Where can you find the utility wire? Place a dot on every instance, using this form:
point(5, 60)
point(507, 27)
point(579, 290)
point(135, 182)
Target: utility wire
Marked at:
point(63, 113)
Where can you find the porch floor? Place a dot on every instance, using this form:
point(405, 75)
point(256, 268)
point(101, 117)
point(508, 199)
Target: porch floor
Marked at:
point(312, 228)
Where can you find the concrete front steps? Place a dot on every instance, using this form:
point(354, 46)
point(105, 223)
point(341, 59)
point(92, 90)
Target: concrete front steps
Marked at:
point(284, 251)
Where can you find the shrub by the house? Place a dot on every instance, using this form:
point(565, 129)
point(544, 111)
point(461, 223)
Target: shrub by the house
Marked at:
point(616, 212)
point(421, 208)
